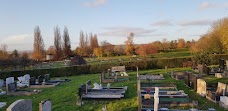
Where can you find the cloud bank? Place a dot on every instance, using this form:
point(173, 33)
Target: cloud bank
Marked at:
point(95, 3)
point(121, 31)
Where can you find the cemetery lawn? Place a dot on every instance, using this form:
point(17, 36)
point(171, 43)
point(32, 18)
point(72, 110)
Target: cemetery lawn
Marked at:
point(65, 96)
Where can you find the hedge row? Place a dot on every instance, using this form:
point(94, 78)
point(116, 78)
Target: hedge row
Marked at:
point(91, 69)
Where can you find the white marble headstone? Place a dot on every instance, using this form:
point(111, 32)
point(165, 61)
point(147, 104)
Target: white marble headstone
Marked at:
point(20, 105)
point(9, 80)
point(45, 105)
point(156, 99)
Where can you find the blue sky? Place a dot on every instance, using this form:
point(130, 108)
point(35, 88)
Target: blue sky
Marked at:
point(111, 20)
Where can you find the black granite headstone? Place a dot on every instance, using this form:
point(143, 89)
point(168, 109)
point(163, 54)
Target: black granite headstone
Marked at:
point(40, 78)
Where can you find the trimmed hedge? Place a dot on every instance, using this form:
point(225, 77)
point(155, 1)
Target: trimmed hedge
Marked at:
point(91, 69)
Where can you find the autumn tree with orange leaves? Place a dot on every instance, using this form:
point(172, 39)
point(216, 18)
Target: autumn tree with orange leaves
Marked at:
point(146, 49)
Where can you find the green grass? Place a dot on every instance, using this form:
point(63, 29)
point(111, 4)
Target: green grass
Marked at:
point(172, 54)
point(65, 96)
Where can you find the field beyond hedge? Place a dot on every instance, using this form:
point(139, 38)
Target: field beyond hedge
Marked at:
point(65, 96)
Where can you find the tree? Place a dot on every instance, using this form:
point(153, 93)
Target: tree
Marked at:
point(220, 31)
point(181, 43)
point(3, 52)
point(38, 46)
point(165, 44)
point(83, 48)
point(107, 48)
point(93, 41)
point(51, 50)
point(97, 52)
point(129, 45)
point(119, 49)
point(146, 49)
point(25, 59)
point(57, 43)
point(15, 54)
point(66, 43)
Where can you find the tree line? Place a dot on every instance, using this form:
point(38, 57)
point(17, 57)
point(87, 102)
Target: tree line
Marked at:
point(215, 41)
point(89, 46)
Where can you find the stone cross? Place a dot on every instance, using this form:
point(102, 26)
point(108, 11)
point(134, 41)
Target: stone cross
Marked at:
point(20, 105)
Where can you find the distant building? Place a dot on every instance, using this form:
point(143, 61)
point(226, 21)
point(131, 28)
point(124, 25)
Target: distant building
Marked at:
point(49, 57)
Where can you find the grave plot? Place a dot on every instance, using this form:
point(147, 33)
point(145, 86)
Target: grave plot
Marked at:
point(202, 69)
point(152, 96)
point(23, 81)
point(20, 105)
point(1, 85)
point(110, 79)
point(168, 97)
point(151, 77)
point(214, 94)
point(191, 80)
point(11, 88)
point(119, 71)
point(100, 92)
point(178, 75)
point(26, 105)
point(40, 83)
point(56, 80)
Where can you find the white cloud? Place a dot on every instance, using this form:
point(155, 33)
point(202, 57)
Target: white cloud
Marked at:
point(206, 5)
point(200, 22)
point(19, 42)
point(162, 23)
point(95, 3)
point(125, 31)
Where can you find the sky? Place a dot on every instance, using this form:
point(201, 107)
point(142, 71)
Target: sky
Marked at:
point(111, 20)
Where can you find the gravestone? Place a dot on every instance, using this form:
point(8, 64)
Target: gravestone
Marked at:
point(200, 68)
point(45, 105)
point(47, 77)
point(1, 83)
point(27, 77)
point(201, 87)
point(20, 105)
point(221, 88)
point(40, 79)
point(222, 64)
point(156, 99)
point(218, 75)
point(32, 81)
point(9, 80)
point(82, 90)
point(11, 87)
point(226, 64)
point(166, 69)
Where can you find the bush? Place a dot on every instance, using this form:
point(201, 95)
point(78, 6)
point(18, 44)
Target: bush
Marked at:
point(98, 68)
